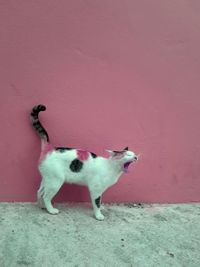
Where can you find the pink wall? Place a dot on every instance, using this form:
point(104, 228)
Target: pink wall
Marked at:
point(112, 73)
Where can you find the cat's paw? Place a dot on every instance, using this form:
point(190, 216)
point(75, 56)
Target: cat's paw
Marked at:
point(100, 217)
point(53, 211)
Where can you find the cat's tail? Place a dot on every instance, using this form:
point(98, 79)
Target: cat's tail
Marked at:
point(37, 124)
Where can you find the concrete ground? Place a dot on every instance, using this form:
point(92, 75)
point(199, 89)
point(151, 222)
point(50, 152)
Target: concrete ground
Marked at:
point(130, 235)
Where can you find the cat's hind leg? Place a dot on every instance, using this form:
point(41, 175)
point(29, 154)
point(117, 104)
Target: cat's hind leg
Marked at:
point(51, 187)
point(40, 194)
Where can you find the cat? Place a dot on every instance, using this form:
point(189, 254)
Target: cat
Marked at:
point(59, 165)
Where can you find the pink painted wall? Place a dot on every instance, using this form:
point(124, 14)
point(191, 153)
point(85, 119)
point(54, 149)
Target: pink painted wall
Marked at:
point(112, 73)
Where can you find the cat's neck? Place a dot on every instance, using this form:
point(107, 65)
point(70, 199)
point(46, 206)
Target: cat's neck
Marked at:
point(115, 166)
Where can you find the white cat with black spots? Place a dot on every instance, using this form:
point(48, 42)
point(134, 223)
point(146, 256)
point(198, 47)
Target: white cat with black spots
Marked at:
point(65, 165)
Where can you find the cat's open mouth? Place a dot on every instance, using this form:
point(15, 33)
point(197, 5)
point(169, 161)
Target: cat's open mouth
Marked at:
point(126, 165)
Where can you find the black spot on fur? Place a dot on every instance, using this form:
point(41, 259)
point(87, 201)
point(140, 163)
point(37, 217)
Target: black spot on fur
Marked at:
point(93, 155)
point(76, 165)
point(98, 201)
point(63, 149)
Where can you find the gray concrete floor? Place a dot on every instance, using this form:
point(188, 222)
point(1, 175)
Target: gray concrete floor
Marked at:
point(130, 235)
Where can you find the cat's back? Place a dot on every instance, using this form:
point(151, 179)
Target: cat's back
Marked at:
point(70, 161)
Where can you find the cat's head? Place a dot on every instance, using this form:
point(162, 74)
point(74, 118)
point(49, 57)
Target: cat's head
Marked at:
point(124, 157)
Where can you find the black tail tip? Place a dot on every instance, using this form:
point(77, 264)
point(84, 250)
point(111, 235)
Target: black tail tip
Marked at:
point(39, 108)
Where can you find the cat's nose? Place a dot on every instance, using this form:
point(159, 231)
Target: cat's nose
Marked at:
point(135, 158)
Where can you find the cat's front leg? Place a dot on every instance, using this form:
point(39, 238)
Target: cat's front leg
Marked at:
point(96, 202)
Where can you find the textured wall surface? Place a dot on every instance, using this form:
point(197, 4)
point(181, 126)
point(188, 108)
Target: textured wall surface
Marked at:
point(112, 73)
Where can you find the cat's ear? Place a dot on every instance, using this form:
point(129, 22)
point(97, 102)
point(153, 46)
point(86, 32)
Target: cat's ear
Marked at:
point(109, 151)
point(126, 148)
point(112, 153)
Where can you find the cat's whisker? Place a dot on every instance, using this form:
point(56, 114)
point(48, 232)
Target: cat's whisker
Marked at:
point(139, 155)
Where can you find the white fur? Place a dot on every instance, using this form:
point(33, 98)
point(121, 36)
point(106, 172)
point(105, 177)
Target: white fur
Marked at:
point(97, 174)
